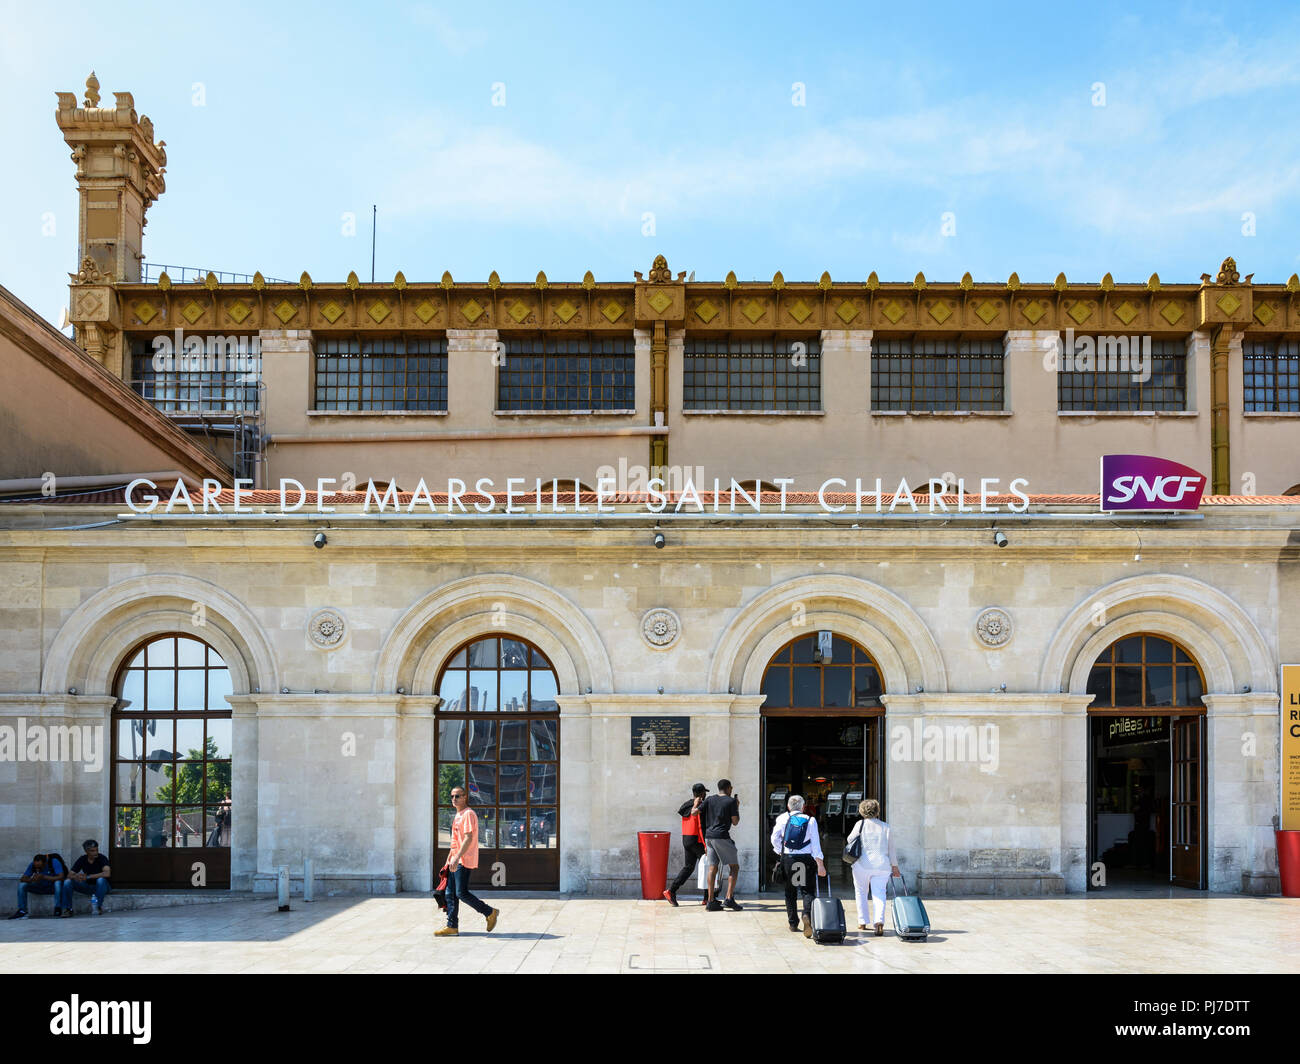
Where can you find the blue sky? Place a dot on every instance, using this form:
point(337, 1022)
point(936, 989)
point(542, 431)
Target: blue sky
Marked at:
point(682, 111)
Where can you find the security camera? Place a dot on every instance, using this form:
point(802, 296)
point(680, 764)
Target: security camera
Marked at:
point(1000, 538)
point(659, 541)
point(319, 541)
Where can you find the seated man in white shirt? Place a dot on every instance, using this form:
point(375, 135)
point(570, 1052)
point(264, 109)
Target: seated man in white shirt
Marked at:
point(796, 839)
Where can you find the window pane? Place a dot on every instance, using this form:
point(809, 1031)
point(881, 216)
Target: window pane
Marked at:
point(189, 652)
point(130, 738)
point(867, 689)
point(451, 739)
point(542, 783)
point(514, 829)
point(482, 740)
point(838, 681)
point(514, 786)
point(1129, 649)
point(1159, 649)
point(487, 827)
point(451, 689)
point(159, 692)
point(161, 653)
point(543, 740)
point(1128, 685)
point(483, 654)
point(514, 740)
point(156, 825)
point(1190, 689)
point(514, 654)
point(1160, 685)
point(126, 827)
point(218, 688)
point(190, 690)
point(133, 690)
point(807, 686)
point(544, 691)
point(1099, 685)
point(217, 825)
point(189, 737)
point(776, 686)
point(216, 781)
point(542, 830)
point(220, 737)
point(187, 827)
point(483, 690)
point(514, 691)
point(482, 784)
point(130, 782)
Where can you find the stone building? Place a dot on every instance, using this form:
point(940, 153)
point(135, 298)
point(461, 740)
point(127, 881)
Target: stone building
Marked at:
point(836, 538)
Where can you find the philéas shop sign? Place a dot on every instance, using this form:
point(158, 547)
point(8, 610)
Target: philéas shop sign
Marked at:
point(1143, 482)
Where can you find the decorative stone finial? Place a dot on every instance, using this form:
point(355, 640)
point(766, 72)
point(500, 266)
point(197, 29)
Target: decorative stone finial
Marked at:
point(92, 90)
point(659, 273)
point(1228, 272)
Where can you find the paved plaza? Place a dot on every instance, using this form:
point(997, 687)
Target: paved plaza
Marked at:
point(1172, 931)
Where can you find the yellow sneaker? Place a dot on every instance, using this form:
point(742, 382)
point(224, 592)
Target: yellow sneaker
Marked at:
point(446, 931)
point(492, 918)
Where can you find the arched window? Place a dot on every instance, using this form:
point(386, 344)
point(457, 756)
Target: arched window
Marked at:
point(1145, 672)
point(171, 782)
point(803, 676)
point(499, 737)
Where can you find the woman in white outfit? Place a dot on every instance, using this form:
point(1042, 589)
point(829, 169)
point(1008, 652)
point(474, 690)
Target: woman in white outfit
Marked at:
point(872, 870)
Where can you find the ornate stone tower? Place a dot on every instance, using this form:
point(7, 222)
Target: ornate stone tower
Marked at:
point(119, 174)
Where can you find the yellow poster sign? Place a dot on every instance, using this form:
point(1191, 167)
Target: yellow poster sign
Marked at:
point(1290, 774)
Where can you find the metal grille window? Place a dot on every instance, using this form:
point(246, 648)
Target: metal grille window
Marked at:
point(752, 373)
point(381, 373)
point(1110, 385)
point(224, 377)
point(1271, 376)
point(923, 376)
point(573, 373)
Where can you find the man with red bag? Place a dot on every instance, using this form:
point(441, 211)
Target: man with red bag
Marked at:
point(692, 839)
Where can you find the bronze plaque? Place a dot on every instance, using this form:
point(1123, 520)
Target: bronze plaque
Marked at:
point(661, 736)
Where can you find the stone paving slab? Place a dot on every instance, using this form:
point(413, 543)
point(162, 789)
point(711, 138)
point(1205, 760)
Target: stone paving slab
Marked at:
point(547, 933)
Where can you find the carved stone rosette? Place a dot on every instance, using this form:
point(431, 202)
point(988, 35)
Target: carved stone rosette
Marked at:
point(326, 629)
point(660, 628)
point(993, 628)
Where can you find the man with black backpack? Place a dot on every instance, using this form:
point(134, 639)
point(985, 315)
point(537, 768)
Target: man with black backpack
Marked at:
point(795, 838)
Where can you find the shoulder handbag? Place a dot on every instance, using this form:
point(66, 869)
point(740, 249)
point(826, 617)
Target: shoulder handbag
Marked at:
point(853, 849)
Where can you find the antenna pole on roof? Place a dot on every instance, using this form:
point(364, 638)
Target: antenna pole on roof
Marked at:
point(374, 213)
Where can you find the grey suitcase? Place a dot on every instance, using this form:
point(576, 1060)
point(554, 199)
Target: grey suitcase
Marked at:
point(827, 916)
point(907, 913)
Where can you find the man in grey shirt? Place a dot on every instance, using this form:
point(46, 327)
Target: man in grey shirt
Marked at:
point(719, 813)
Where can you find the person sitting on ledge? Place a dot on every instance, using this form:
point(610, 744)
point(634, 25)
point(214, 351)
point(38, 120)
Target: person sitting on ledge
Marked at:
point(46, 874)
point(90, 875)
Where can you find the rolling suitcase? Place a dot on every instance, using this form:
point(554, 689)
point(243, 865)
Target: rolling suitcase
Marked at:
point(908, 915)
point(827, 916)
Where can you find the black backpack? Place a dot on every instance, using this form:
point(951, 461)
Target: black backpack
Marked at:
point(50, 858)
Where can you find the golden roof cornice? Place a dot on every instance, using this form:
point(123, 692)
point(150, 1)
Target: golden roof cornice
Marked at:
point(728, 305)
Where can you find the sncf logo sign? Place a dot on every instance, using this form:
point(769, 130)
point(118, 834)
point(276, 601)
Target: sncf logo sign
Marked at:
point(1140, 482)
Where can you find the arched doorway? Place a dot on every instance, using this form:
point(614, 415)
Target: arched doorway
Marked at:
point(170, 790)
point(823, 738)
point(1146, 765)
point(498, 735)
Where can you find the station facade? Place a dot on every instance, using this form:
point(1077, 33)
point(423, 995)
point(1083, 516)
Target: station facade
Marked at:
point(828, 538)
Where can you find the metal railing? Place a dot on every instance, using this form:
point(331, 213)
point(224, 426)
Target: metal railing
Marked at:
point(232, 408)
point(197, 274)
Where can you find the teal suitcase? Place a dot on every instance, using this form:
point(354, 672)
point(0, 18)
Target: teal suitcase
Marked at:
point(911, 921)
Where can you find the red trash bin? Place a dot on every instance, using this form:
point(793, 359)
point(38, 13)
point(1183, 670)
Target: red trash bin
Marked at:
point(1288, 862)
point(653, 846)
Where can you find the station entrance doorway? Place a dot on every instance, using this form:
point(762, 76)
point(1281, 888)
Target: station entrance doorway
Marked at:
point(823, 739)
point(1146, 767)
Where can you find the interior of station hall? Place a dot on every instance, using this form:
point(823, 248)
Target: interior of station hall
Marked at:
point(1100, 691)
